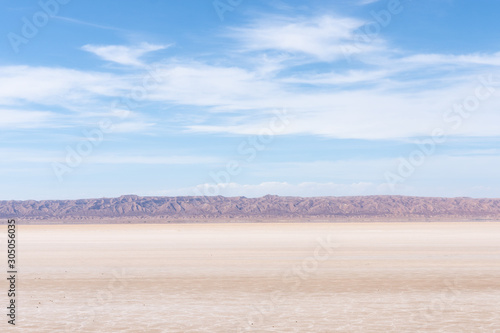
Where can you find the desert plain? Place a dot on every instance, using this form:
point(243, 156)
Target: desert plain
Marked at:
point(258, 277)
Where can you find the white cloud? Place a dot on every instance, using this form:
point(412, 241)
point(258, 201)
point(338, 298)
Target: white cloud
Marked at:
point(14, 119)
point(342, 78)
point(131, 127)
point(325, 38)
point(90, 24)
point(236, 100)
point(124, 55)
point(212, 86)
point(74, 97)
point(384, 100)
point(365, 113)
point(453, 60)
point(56, 86)
point(50, 156)
point(367, 2)
point(151, 160)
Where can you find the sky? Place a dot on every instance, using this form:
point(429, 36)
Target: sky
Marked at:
point(247, 98)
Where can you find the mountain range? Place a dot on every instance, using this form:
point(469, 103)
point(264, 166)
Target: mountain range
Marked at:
point(130, 208)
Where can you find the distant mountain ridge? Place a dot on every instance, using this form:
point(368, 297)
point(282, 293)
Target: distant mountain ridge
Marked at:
point(269, 207)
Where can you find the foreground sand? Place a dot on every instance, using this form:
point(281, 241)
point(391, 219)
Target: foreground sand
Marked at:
point(360, 277)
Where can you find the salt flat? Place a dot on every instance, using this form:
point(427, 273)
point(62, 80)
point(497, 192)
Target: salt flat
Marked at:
point(274, 277)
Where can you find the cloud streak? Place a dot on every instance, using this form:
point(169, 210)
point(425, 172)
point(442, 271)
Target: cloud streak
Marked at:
point(321, 38)
point(26, 119)
point(123, 55)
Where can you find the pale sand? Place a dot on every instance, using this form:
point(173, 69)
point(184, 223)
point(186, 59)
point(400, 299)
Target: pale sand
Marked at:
point(379, 277)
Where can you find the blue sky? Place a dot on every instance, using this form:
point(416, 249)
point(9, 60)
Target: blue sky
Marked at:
point(105, 98)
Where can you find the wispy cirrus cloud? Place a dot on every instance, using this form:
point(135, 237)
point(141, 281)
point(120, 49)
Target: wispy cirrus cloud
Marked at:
point(131, 127)
point(70, 98)
point(124, 55)
point(31, 84)
point(153, 160)
point(453, 60)
point(323, 37)
point(10, 118)
point(387, 99)
point(367, 2)
point(49, 156)
point(90, 24)
point(359, 93)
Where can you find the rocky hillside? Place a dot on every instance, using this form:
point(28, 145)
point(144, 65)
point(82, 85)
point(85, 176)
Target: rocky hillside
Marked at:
point(268, 208)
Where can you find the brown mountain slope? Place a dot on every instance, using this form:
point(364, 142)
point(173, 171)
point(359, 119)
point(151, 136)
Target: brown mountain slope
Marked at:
point(267, 208)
